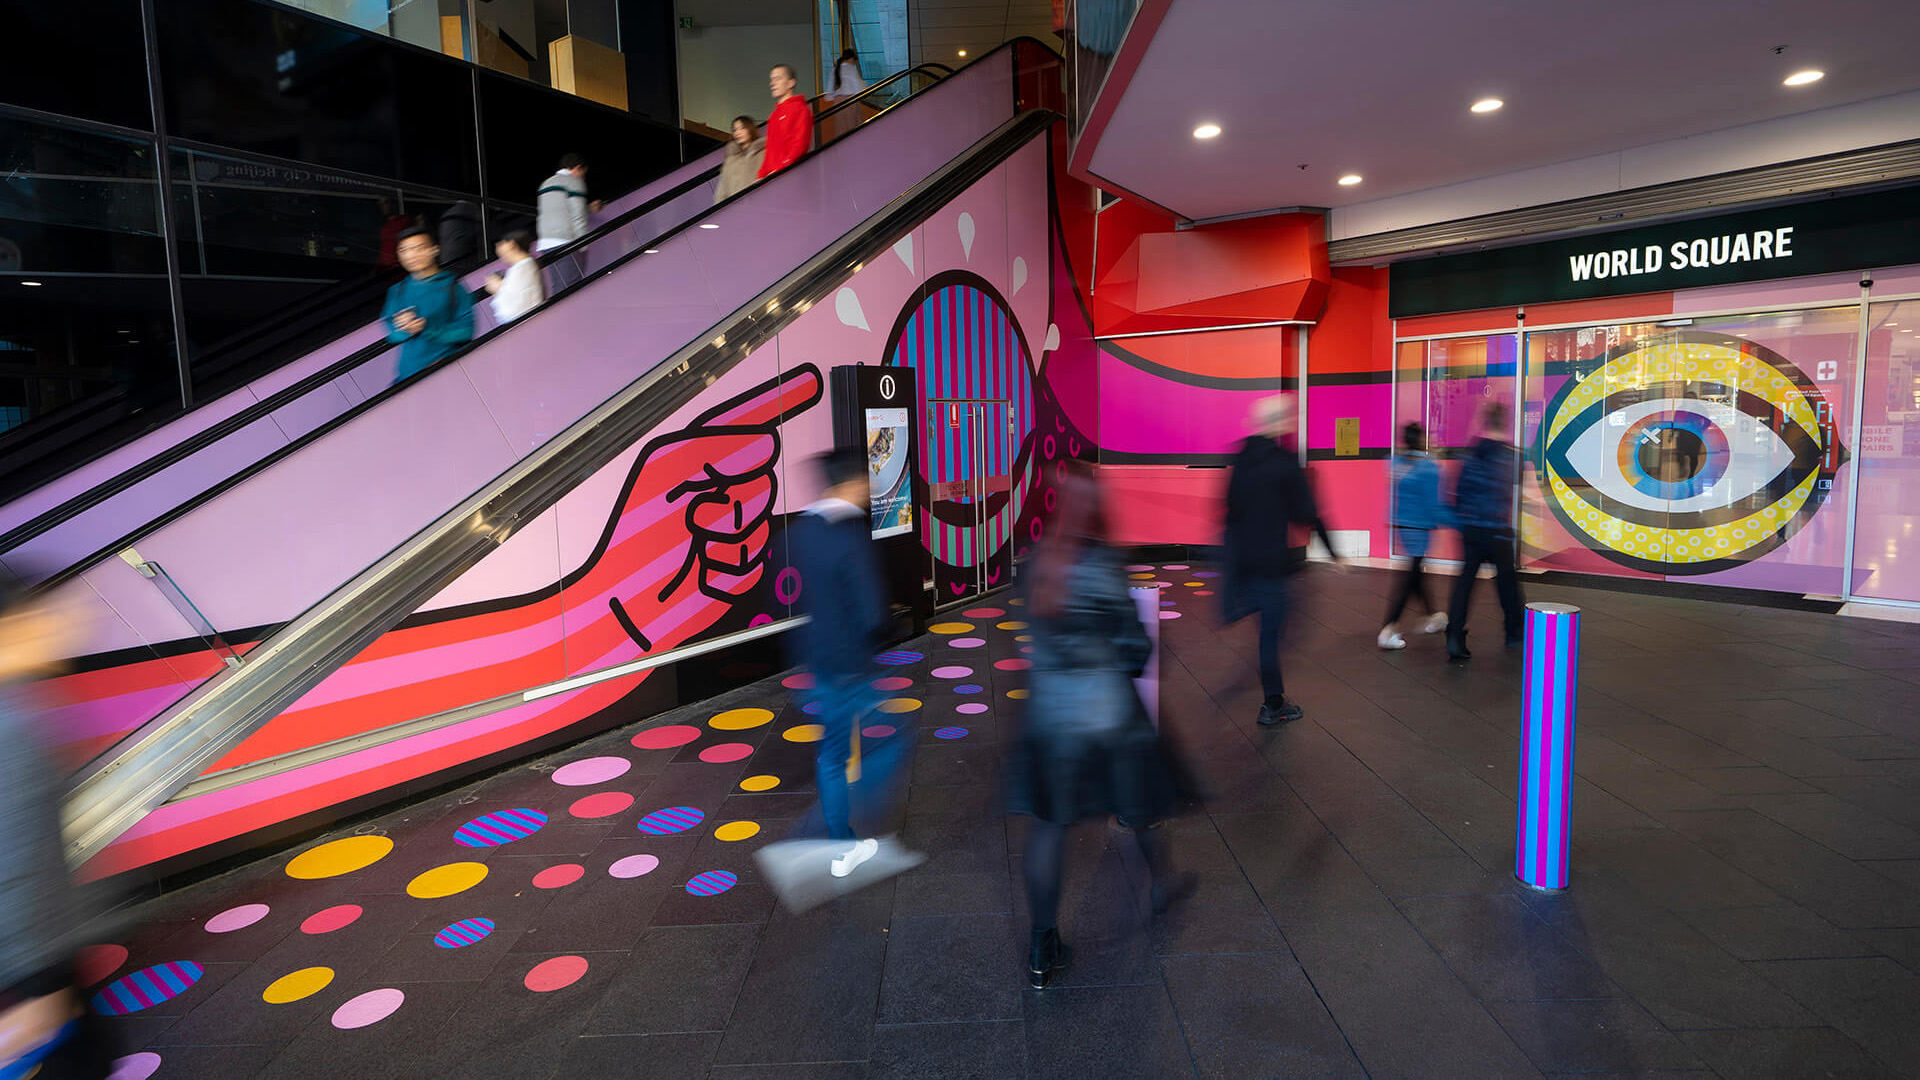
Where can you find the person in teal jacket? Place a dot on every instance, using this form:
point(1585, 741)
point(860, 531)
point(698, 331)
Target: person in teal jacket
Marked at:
point(1417, 514)
point(429, 313)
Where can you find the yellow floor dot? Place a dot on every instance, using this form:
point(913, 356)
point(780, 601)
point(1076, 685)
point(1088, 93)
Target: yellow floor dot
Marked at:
point(899, 705)
point(1141, 577)
point(760, 783)
point(1018, 601)
point(1023, 638)
point(736, 830)
point(1017, 695)
point(950, 627)
point(1193, 584)
point(339, 857)
point(447, 880)
point(804, 733)
point(740, 719)
point(296, 985)
point(1013, 624)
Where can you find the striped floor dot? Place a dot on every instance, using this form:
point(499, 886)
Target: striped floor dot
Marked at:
point(1012, 624)
point(972, 708)
point(593, 770)
point(952, 671)
point(760, 783)
point(339, 857)
point(984, 612)
point(447, 880)
point(672, 819)
point(95, 962)
point(1017, 695)
point(877, 731)
point(500, 827)
point(666, 738)
point(950, 733)
point(813, 708)
point(556, 877)
point(330, 919)
point(720, 753)
point(950, 627)
point(237, 918)
point(899, 657)
point(555, 973)
point(713, 882)
point(741, 719)
point(147, 987)
point(892, 683)
point(968, 688)
point(734, 831)
point(1013, 665)
point(967, 642)
point(463, 933)
point(601, 804)
point(295, 985)
point(804, 733)
point(900, 705)
point(138, 1066)
point(634, 866)
point(368, 1008)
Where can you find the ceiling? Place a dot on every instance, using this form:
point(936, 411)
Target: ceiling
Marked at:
point(1382, 88)
point(939, 29)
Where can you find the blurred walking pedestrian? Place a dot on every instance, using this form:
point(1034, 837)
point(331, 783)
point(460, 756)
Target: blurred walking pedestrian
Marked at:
point(428, 312)
point(1088, 748)
point(563, 205)
point(1268, 494)
point(520, 289)
point(790, 127)
point(460, 236)
point(1417, 514)
point(1483, 508)
point(740, 169)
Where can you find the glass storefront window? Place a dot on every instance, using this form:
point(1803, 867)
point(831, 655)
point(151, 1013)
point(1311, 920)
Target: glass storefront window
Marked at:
point(1440, 384)
point(1886, 553)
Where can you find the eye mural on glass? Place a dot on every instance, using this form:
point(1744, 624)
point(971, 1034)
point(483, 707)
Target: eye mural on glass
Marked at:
point(1683, 452)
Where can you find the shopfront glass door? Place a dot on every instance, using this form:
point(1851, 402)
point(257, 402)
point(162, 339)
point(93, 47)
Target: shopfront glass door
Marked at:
point(970, 482)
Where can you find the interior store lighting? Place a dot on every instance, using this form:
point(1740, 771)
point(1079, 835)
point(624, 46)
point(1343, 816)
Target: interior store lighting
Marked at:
point(1206, 131)
point(1802, 78)
point(1350, 179)
point(1487, 105)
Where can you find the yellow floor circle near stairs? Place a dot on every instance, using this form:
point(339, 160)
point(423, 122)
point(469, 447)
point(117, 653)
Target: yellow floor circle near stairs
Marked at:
point(447, 880)
point(339, 857)
point(296, 985)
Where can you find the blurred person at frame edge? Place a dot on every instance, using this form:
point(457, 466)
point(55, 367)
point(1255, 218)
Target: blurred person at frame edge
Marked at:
point(44, 1021)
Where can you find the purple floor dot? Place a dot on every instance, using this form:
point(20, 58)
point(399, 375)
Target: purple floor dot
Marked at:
point(972, 708)
point(1205, 573)
point(967, 688)
point(967, 642)
point(899, 657)
point(951, 733)
point(952, 671)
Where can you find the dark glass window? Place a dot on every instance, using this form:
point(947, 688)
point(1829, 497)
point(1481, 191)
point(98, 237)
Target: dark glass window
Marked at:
point(86, 59)
point(529, 127)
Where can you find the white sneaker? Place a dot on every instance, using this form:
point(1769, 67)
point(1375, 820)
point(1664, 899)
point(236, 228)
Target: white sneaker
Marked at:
point(1390, 639)
point(860, 852)
point(1436, 622)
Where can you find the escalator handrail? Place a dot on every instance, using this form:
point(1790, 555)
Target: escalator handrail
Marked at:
point(54, 516)
point(937, 70)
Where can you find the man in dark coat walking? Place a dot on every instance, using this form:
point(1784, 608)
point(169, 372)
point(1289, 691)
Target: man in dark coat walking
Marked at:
point(1483, 507)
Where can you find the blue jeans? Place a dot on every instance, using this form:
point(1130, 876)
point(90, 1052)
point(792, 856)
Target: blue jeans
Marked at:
point(1269, 597)
point(844, 704)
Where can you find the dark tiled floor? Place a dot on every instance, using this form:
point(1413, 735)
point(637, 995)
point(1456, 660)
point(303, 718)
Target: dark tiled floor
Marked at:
point(1745, 902)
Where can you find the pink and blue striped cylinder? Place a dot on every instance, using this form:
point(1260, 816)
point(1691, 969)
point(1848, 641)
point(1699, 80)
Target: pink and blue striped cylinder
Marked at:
point(1546, 745)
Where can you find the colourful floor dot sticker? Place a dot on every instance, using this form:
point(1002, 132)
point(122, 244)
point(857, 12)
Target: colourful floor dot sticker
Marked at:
point(1013, 665)
point(327, 920)
point(1138, 568)
point(500, 827)
point(892, 683)
point(877, 731)
point(447, 880)
point(339, 857)
point(554, 877)
point(952, 671)
point(1169, 614)
point(1174, 566)
point(1017, 601)
point(900, 705)
point(95, 962)
point(147, 987)
point(972, 708)
point(804, 733)
point(950, 733)
point(798, 681)
point(295, 985)
point(1193, 584)
point(1163, 584)
point(760, 783)
point(1023, 637)
point(1017, 695)
point(556, 973)
point(368, 1008)
point(720, 753)
point(1206, 573)
point(1204, 592)
point(713, 882)
point(600, 804)
point(673, 819)
point(138, 1066)
point(1026, 648)
point(950, 627)
point(1012, 624)
point(741, 719)
point(813, 708)
point(666, 738)
point(1141, 576)
point(593, 770)
point(463, 933)
point(236, 918)
point(984, 612)
point(899, 657)
point(967, 642)
point(968, 688)
point(634, 866)
point(736, 830)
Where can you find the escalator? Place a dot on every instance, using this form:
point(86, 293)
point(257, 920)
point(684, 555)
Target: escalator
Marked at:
point(499, 551)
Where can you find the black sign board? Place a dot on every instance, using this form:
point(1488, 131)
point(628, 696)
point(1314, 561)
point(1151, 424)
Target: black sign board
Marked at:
point(1854, 232)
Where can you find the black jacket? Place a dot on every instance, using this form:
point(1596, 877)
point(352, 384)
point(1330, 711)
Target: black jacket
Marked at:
point(840, 588)
point(1267, 495)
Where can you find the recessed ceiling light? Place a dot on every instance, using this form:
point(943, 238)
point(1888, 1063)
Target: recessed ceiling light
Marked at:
point(1206, 131)
point(1350, 179)
point(963, 52)
point(708, 225)
point(1802, 78)
point(35, 284)
point(651, 251)
point(1491, 104)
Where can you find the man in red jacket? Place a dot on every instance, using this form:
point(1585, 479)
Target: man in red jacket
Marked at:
point(790, 128)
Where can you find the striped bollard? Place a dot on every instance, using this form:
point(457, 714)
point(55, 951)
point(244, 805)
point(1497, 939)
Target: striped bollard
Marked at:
point(1546, 746)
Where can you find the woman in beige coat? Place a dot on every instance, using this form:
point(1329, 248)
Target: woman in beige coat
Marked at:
point(742, 165)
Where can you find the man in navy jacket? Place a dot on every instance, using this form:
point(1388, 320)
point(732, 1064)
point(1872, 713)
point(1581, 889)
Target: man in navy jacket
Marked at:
point(1483, 508)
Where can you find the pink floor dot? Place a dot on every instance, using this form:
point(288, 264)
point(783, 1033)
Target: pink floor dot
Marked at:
point(554, 877)
point(984, 612)
point(877, 731)
point(634, 866)
point(1013, 665)
point(593, 770)
point(237, 918)
point(726, 751)
point(1026, 648)
point(556, 973)
point(600, 804)
point(369, 1008)
point(666, 738)
point(1138, 568)
point(96, 962)
point(1174, 566)
point(1163, 584)
point(331, 919)
point(799, 681)
point(135, 1066)
point(1169, 615)
point(891, 683)
point(952, 671)
point(972, 707)
point(967, 642)
point(1204, 592)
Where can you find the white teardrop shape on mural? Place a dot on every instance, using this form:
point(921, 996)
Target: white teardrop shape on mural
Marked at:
point(1019, 273)
point(847, 306)
point(1053, 337)
point(904, 249)
point(966, 233)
